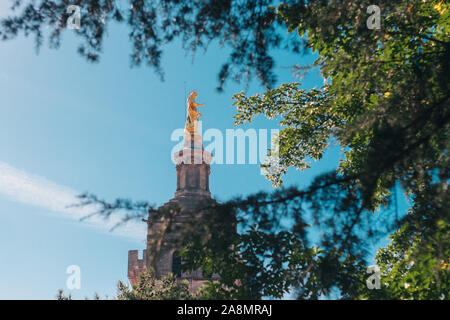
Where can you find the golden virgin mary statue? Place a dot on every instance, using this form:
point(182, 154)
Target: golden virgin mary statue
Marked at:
point(191, 126)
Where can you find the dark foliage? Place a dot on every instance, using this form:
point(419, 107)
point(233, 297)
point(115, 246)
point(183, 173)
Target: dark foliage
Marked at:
point(249, 29)
point(385, 101)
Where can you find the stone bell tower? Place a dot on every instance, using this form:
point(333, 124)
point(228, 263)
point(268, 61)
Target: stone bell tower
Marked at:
point(193, 169)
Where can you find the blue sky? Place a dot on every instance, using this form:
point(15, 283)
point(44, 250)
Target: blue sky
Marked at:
point(67, 126)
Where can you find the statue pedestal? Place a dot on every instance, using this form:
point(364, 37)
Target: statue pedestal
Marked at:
point(193, 141)
point(193, 152)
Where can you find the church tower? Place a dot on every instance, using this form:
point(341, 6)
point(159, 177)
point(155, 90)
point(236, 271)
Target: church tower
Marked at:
point(193, 169)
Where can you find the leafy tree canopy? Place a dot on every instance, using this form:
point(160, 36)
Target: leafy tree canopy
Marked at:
point(248, 28)
point(150, 288)
point(385, 101)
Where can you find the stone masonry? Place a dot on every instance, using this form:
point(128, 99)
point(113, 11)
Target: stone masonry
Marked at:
point(193, 169)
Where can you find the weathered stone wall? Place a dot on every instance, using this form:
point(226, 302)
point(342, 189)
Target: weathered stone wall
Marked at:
point(136, 265)
point(193, 172)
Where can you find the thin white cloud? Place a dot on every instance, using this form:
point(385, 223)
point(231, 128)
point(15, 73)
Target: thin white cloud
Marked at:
point(18, 185)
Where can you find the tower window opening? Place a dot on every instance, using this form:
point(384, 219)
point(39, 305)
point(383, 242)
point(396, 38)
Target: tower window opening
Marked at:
point(176, 264)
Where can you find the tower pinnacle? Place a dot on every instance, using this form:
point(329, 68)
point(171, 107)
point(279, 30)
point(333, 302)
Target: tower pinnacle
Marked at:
point(193, 169)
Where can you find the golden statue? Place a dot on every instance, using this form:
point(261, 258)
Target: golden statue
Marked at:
point(191, 126)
